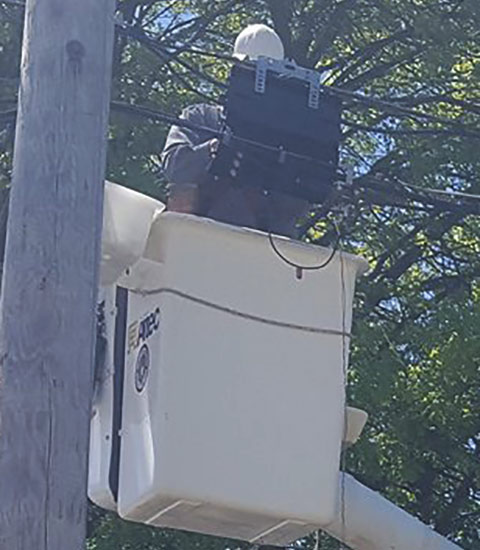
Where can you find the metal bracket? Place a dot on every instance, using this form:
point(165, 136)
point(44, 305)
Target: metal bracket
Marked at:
point(288, 69)
point(261, 75)
point(314, 90)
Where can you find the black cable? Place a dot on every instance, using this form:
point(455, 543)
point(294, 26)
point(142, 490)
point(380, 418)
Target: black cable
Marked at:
point(462, 129)
point(122, 106)
point(413, 193)
point(300, 267)
point(387, 106)
point(411, 132)
point(368, 182)
point(181, 122)
point(442, 192)
point(165, 117)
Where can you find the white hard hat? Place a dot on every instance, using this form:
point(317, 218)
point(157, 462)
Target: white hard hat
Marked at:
point(258, 40)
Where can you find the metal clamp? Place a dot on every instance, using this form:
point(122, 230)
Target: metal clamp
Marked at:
point(314, 90)
point(261, 75)
point(289, 69)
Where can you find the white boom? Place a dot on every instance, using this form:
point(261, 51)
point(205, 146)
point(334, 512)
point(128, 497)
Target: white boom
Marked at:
point(367, 521)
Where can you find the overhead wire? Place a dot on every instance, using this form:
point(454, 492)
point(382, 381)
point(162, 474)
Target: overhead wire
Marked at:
point(386, 191)
point(387, 105)
point(443, 192)
point(423, 195)
point(366, 181)
point(409, 131)
point(462, 128)
point(166, 117)
point(181, 122)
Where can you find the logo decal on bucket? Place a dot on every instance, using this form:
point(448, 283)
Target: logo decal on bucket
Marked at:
point(142, 367)
point(140, 331)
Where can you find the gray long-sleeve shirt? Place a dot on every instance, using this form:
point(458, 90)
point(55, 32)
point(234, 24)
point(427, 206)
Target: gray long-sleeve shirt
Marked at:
point(186, 154)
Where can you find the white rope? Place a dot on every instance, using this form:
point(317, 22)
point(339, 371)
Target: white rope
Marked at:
point(241, 314)
point(345, 412)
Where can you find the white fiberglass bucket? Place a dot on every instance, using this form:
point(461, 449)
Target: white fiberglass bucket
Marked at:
point(233, 397)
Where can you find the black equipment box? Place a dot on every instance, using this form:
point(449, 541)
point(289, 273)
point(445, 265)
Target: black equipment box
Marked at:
point(285, 109)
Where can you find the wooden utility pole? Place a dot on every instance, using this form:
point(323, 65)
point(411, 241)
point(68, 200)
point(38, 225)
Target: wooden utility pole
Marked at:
point(51, 273)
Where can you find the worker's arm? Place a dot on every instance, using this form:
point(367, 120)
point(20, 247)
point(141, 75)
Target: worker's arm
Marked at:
point(188, 152)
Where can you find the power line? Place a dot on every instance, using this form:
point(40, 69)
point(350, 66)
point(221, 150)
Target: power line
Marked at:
point(412, 131)
point(461, 128)
point(375, 102)
point(443, 192)
point(387, 106)
point(9, 115)
point(416, 194)
point(177, 121)
point(368, 182)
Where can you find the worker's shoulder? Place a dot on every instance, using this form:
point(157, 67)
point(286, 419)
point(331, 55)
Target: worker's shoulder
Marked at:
point(201, 110)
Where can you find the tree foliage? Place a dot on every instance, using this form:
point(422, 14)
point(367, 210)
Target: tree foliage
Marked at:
point(408, 74)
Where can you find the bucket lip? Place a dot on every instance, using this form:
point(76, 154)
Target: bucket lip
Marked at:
point(361, 263)
point(118, 188)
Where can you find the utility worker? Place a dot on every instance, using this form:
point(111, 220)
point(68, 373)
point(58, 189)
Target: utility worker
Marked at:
point(188, 153)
